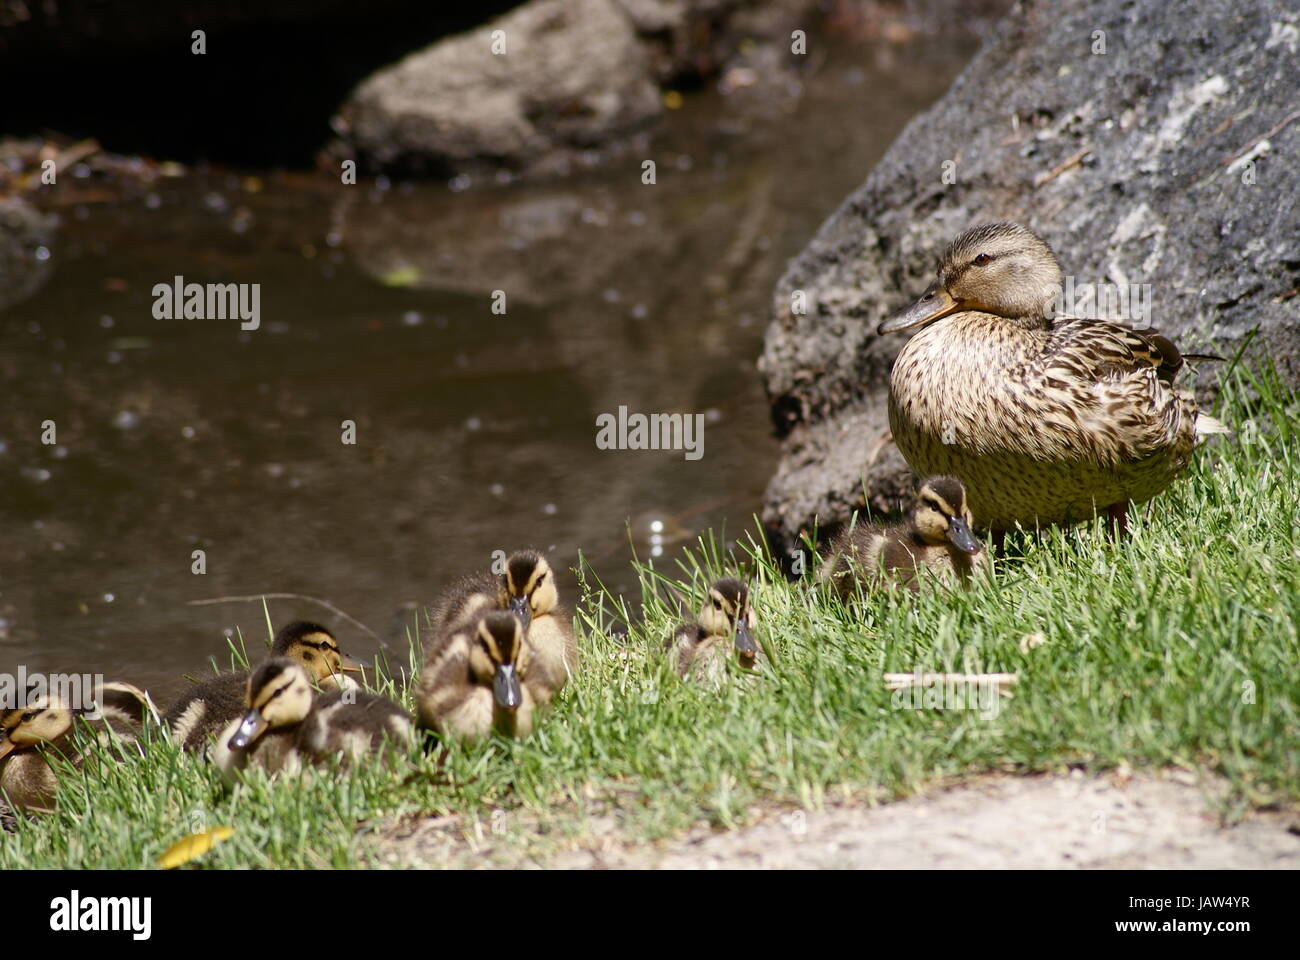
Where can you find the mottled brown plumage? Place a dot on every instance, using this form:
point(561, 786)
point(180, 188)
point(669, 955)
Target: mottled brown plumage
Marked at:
point(1044, 421)
point(935, 538)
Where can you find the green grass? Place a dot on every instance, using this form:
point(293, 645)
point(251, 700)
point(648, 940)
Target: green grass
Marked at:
point(1177, 648)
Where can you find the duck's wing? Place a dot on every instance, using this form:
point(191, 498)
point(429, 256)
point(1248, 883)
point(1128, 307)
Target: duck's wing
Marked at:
point(1103, 392)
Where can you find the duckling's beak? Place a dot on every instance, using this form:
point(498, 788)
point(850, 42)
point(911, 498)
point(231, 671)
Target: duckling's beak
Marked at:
point(250, 728)
point(505, 686)
point(961, 536)
point(936, 302)
point(6, 747)
point(348, 665)
point(520, 608)
point(745, 644)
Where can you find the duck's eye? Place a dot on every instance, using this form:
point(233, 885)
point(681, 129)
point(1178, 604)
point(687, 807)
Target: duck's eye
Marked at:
point(29, 717)
point(982, 259)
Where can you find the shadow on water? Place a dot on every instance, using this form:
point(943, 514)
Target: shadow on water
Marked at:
point(476, 431)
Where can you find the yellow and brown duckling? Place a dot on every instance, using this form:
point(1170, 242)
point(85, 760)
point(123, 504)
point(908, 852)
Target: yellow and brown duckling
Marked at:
point(724, 631)
point(526, 587)
point(286, 725)
point(481, 679)
point(935, 538)
point(208, 707)
point(32, 737)
point(1046, 421)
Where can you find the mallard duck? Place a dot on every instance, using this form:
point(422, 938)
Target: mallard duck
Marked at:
point(209, 706)
point(480, 679)
point(723, 630)
point(32, 737)
point(935, 536)
point(526, 588)
point(1045, 421)
point(528, 591)
point(286, 725)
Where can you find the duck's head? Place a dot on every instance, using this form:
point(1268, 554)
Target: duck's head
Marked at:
point(499, 657)
point(727, 611)
point(279, 695)
point(940, 514)
point(1000, 268)
point(43, 720)
point(315, 648)
point(528, 586)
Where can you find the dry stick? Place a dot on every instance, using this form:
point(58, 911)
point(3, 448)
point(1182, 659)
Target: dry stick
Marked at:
point(1072, 160)
point(899, 681)
point(1281, 124)
point(292, 596)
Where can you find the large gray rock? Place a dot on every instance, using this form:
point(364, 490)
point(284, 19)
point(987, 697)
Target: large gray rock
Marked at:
point(26, 239)
point(573, 75)
point(1135, 164)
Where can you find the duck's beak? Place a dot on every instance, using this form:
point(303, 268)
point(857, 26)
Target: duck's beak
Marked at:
point(745, 644)
point(520, 608)
point(349, 665)
point(961, 536)
point(250, 728)
point(505, 687)
point(936, 302)
point(7, 746)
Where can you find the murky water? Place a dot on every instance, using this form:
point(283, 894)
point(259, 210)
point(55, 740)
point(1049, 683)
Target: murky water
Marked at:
point(475, 431)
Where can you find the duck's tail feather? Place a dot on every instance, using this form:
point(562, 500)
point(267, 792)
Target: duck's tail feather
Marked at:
point(1206, 425)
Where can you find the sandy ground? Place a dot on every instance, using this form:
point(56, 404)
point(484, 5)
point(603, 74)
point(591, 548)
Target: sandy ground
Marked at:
point(1065, 822)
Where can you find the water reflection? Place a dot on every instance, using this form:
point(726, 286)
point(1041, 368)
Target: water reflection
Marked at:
point(475, 430)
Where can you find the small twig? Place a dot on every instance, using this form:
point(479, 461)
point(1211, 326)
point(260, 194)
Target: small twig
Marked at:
point(1281, 124)
point(1073, 160)
point(292, 596)
point(900, 681)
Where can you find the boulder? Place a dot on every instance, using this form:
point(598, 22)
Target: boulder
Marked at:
point(1149, 142)
point(573, 75)
point(26, 239)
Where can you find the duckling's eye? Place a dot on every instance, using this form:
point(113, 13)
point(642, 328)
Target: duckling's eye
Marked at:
point(28, 717)
point(982, 259)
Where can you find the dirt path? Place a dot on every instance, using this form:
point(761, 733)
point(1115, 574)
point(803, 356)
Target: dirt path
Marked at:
point(1040, 822)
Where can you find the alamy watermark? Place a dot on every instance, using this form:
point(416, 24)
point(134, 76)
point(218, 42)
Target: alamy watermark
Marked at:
point(922, 691)
point(1124, 302)
point(75, 691)
point(179, 300)
point(655, 431)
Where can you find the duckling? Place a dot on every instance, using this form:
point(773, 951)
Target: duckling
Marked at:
point(209, 706)
point(935, 536)
point(464, 600)
point(726, 622)
point(480, 679)
point(1044, 421)
point(287, 725)
point(527, 590)
point(32, 736)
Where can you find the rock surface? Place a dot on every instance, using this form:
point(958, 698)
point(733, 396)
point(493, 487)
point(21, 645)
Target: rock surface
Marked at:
point(26, 236)
point(546, 84)
point(1169, 159)
point(552, 74)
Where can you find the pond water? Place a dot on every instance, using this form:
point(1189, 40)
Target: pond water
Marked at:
point(475, 431)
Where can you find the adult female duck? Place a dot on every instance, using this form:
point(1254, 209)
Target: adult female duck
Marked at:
point(1044, 421)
